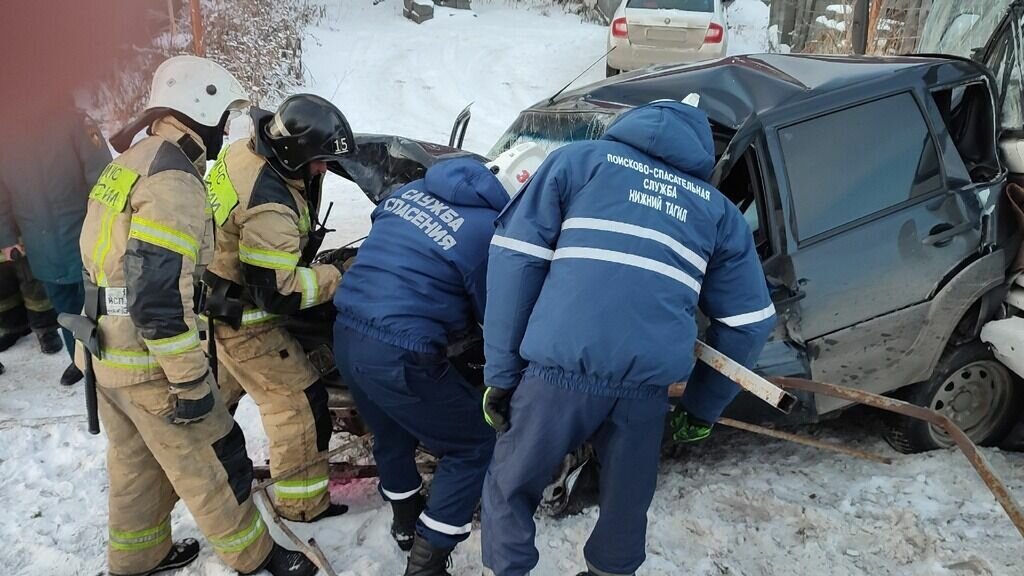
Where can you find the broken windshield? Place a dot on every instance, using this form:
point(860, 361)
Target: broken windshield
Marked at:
point(959, 27)
point(552, 129)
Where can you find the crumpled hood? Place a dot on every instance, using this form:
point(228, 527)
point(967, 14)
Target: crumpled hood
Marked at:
point(676, 133)
point(465, 182)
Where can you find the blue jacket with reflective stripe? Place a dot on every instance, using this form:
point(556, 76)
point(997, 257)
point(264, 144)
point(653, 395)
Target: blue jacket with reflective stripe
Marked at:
point(420, 275)
point(598, 267)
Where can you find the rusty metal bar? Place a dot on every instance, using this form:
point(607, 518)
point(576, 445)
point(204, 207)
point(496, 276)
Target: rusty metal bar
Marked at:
point(262, 485)
point(756, 385)
point(975, 457)
point(338, 471)
point(345, 471)
point(812, 442)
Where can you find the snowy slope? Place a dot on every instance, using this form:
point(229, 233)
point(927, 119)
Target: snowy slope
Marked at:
point(392, 76)
point(738, 505)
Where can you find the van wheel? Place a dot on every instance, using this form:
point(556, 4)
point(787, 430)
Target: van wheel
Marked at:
point(973, 389)
point(609, 71)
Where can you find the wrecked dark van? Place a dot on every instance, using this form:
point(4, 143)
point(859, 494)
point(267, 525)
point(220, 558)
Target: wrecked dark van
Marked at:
point(874, 190)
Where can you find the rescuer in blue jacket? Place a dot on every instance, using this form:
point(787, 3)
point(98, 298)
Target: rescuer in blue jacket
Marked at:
point(596, 273)
point(420, 277)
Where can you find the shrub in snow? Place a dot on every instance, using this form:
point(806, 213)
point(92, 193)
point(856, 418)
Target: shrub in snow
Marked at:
point(587, 10)
point(259, 41)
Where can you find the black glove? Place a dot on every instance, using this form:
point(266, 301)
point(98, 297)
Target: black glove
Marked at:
point(192, 401)
point(496, 403)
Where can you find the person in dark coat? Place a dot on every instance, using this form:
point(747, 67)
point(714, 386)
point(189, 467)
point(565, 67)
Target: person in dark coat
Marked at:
point(25, 309)
point(45, 177)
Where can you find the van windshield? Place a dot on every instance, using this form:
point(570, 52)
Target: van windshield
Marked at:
point(552, 129)
point(959, 27)
point(686, 5)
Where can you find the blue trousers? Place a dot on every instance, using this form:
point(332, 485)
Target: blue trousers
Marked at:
point(548, 422)
point(407, 399)
point(66, 298)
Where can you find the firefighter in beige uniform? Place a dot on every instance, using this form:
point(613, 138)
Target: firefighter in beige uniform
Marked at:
point(169, 433)
point(261, 190)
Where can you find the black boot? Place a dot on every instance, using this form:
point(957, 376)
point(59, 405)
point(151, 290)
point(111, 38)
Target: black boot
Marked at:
point(331, 511)
point(182, 553)
point(425, 560)
point(49, 341)
point(71, 375)
point(11, 338)
point(404, 515)
point(284, 562)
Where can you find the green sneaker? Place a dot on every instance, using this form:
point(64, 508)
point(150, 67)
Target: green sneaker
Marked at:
point(685, 428)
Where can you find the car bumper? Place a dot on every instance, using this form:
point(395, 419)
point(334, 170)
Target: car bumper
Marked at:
point(626, 56)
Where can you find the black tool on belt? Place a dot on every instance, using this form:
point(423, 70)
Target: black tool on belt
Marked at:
point(85, 329)
point(221, 302)
point(316, 237)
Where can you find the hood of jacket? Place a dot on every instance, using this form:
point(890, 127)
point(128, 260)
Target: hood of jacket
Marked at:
point(675, 133)
point(465, 182)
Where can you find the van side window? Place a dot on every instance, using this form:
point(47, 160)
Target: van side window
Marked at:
point(850, 164)
point(1003, 62)
point(966, 111)
point(743, 187)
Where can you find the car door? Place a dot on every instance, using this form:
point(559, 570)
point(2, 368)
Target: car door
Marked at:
point(873, 229)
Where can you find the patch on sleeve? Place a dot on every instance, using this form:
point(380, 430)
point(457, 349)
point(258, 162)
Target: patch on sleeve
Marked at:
point(222, 196)
point(114, 186)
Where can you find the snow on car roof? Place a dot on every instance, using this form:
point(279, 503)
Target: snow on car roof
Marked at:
point(736, 88)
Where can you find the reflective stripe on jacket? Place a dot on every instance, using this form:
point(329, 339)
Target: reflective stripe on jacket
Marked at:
point(263, 223)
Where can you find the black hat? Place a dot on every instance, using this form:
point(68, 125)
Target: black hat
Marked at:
point(306, 128)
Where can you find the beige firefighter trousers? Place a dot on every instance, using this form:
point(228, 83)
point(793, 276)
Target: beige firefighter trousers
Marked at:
point(152, 462)
point(269, 364)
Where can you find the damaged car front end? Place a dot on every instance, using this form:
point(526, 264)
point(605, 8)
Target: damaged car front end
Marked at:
point(874, 190)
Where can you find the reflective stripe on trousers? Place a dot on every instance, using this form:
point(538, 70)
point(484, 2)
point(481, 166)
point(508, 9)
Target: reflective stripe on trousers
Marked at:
point(243, 538)
point(301, 489)
point(140, 539)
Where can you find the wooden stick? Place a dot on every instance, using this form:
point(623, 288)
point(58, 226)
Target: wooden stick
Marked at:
point(170, 14)
point(197, 28)
point(804, 440)
point(310, 549)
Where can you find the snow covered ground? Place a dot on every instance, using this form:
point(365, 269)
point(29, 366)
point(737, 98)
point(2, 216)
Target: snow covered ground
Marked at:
point(739, 505)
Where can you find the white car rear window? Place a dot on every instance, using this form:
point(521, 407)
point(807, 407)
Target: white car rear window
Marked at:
point(687, 5)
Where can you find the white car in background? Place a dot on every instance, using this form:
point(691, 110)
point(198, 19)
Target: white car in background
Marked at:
point(647, 32)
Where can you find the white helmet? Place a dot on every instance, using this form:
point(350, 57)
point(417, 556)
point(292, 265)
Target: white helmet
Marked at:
point(516, 165)
point(198, 88)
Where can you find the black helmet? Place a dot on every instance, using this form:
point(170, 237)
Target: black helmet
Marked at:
point(307, 128)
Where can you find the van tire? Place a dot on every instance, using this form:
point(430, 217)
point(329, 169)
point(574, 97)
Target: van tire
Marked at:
point(965, 376)
point(609, 71)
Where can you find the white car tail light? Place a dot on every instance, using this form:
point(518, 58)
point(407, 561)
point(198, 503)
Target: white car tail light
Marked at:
point(714, 35)
point(619, 29)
